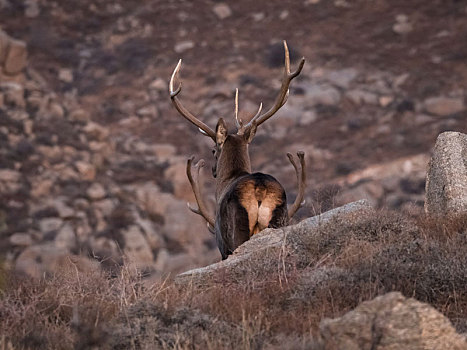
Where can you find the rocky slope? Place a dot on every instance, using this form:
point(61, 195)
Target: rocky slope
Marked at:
point(92, 160)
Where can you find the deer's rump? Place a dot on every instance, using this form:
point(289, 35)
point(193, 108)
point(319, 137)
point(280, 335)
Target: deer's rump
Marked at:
point(253, 203)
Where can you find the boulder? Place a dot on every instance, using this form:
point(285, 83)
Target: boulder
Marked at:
point(444, 106)
point(390, 322)
point(13, 54)
point(38, 260)
point(287, 238)
point(446, 181)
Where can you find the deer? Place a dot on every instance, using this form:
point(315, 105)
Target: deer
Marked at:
point(245, 203)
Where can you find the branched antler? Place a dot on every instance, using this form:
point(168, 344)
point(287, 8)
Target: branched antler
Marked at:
point(202, 209)
point(206, 130)
point(281, 99)
point(301, 179)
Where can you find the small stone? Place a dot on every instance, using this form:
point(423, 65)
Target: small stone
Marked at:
point(402, 18)
point(183, 46)
point(96, 191)
point(258, 16)
point(7, 175)
point(444, 106)
point(402, 26)
point(322, 95)
point(96, 131)
point(65, 239)
point(63, 210)
point(28, 127)
point(147, 111)
point(385, 101)
point(130, 122)
point(41, 187)
point(65, 75)
point(222, 10)
point(21, 239)
point(50, 224)
point(16, 57)
point(136, 247)
point(80, 115)
point(164, 152)
point(13, 94)
point(158, 84)
point(284, 14)
point(362, 97)
point(105, 206)
point(31, 9)
point(342, 78)
point(308, 117)
point(86, 170)
point(56, 110)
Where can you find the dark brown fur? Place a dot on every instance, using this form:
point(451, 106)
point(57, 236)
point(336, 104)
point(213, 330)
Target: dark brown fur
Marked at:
point(239, 213)
point(247, 203)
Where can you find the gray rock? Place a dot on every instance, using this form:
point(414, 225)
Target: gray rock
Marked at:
point(343, 77)
point(183, 46)
point(79, 115)
point(446, 181)
point(96, 191)
point(390, 322)
point(322, 95)
point(65, 75)
point(222, 10)
point(272, 239)
point(35, 261)
point(444, 106)
point(32, 9)
point(16, 58)
point(7, 175)
point(362, 97)
point(65, 239)
point(50, 224)
point(137, 248)
point(21, 239)
point(96, 131)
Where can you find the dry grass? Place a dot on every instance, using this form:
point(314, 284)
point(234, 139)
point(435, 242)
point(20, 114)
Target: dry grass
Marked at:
point(276, 302)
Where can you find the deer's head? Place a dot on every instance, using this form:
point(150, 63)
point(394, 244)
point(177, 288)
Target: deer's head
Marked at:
point(231, 149)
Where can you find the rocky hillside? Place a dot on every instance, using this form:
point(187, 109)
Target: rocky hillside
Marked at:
point(93, 154)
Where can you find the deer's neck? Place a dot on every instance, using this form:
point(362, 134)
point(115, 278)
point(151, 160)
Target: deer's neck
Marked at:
point(233, 163)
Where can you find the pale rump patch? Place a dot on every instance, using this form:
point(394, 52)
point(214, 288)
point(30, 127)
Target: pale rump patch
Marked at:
point(259, 202)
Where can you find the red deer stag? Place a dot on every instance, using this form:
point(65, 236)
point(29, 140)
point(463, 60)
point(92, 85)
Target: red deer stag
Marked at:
point(246, 202)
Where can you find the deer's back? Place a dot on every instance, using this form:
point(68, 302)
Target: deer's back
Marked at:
point(252, 203)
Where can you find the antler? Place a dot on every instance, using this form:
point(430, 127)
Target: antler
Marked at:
point(238, 122)
point(206, 130)
point(283, 94)
point(202, 210)
point(301, 179)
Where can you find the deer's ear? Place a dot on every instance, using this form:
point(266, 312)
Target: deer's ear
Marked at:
point(221, 132)
point(250, 132)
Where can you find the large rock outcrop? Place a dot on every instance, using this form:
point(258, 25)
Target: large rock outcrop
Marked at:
point(13, 54)
point(283, 239)
point(446, 181)
point(390, 322)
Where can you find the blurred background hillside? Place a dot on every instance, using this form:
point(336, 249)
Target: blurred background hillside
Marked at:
point(92, 154)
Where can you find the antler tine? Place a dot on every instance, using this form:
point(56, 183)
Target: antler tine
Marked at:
point(206, 130)
point(201, 210)
point(257, 113)
point(301, 179)
point(284, 92)
point(238, 122)
point(171, 82)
